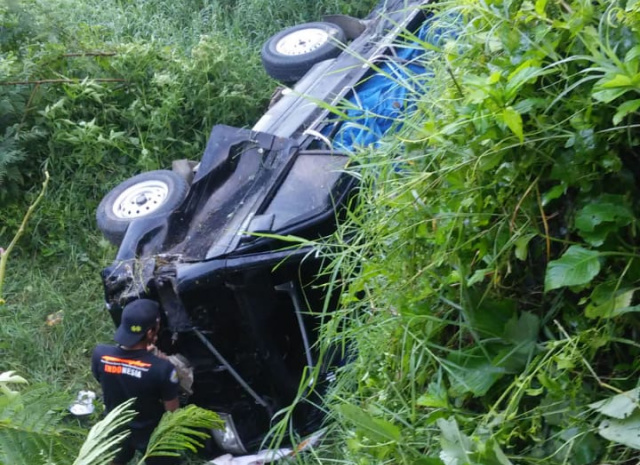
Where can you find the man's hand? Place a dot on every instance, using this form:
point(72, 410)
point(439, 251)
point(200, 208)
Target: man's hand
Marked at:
point(157, 352)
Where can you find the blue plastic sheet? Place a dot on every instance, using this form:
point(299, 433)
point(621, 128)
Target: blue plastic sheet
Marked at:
point(378, 103)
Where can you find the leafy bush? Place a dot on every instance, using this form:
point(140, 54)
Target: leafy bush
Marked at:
point(493, 258)
point(153, 106)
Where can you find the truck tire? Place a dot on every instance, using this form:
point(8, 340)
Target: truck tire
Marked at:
point(289, 54)
point(145, 195)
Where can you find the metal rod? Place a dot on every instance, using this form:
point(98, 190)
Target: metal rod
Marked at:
point(290, 289)
point(233, 372)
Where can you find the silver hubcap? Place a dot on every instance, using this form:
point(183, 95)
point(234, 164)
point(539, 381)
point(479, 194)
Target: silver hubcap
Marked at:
point(302, 41)
point(140, 199)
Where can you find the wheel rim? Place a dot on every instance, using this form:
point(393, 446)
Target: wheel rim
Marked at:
point(302, 41)
point(141, 199)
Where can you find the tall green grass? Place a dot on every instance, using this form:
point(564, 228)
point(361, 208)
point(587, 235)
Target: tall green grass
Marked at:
point(53, 318)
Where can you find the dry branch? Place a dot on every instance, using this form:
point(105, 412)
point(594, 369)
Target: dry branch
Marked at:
point(4, 255)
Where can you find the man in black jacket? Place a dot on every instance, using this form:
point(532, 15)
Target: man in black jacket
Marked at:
point(129, 370)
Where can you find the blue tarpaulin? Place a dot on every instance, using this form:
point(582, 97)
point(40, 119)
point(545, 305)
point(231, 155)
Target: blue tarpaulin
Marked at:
point(379, 101)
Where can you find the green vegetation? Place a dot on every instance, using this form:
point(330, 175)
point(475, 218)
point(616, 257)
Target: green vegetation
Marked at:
point(33, 425)
point(184, 429)
point(490, 270)
point(493, 267)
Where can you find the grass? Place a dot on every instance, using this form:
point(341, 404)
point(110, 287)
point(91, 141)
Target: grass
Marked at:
point(178, 24)
point(57, 355)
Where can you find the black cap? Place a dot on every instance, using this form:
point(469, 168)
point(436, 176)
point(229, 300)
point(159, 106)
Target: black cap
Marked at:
point(137, 318)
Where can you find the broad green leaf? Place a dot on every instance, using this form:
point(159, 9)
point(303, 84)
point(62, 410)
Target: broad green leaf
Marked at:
point(625, 431)
point(526, 72)
point(455, 445)
point(527, 105)
point(555, 192)
point(540, 7)
point(374, 428)
point(522, 334)
point(487, 316)
point(523, 73)
point(602, 216)
point(618, 303)
point(494, 77)
point(619, 80)
point(582, 446)
point(633, 53)
point(597, 237)
point(435, 397)
point(514, 121)
point(608, 95)
point(627, 107)
point(622, 310)
point(522, 330)
point(608, 209)
point(471, 373)
point(514, 358)
point(587, 449)
point(620, 406)
point(577, 266)
point(488, 451)
point(478, 276)
point(522, 246)
point(434, 416)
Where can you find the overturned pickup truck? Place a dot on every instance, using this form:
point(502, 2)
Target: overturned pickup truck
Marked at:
point(203, 239)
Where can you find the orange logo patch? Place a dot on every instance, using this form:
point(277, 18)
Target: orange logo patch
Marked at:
point(135, 363)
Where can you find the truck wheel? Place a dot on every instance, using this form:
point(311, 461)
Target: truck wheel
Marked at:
point(147, 194)
point(289, 54)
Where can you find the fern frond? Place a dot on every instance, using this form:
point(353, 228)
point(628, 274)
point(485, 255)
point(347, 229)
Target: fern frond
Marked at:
point(184, 429)
point(30, 424)
point(100, 447)
point(21, 446)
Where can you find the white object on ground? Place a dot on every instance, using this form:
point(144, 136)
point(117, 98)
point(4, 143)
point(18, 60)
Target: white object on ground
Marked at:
point(268, 456)
point(83, 404)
